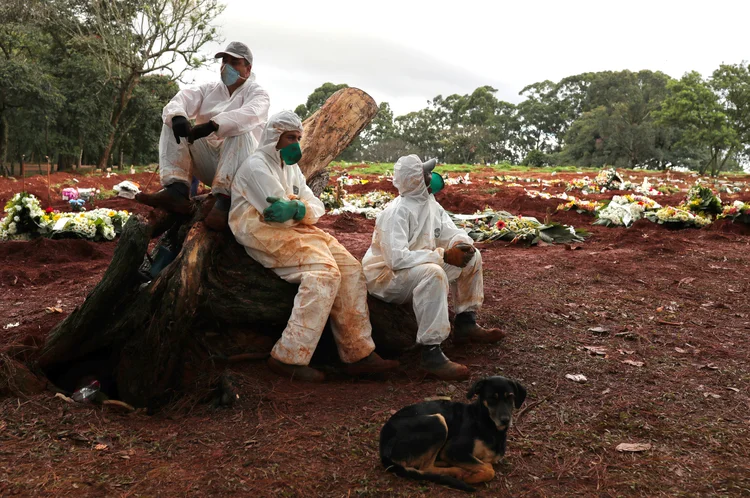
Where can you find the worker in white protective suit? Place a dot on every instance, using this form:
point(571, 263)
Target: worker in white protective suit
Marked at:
point(417, 254)
point(273, 215)
point(230, 115)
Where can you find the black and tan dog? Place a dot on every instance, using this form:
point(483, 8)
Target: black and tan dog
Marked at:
point(452, 443)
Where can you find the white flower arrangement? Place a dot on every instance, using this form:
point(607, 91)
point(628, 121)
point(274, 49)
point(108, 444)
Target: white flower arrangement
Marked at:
point(370, 204)
point(23, 212)
point(30, 220)
point(625, 210)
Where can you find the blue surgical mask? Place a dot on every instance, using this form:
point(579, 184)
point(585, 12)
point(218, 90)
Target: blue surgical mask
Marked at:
point(229, 75)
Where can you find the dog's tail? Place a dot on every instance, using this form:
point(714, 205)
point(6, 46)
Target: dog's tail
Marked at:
point(418, 475)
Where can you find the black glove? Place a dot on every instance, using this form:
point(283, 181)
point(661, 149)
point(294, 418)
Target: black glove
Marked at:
point(180, 127)
point(202, 130)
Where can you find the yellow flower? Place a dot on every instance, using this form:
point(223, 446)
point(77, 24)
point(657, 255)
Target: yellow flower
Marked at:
point(112, 213)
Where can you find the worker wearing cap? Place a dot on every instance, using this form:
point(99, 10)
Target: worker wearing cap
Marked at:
point(229, 118)
point(417, 254)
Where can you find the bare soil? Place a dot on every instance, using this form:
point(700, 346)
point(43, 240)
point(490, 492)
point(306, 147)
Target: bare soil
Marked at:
point(675, 300)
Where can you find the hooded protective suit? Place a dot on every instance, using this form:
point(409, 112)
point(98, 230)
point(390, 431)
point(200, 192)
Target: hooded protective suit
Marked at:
point(330, 279)
point(405, 260)
point(215, 158)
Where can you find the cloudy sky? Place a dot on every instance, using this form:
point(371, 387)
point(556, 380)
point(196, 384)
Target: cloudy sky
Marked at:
point(407, 52)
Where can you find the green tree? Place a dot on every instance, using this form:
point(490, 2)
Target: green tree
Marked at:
point(618, 127)
point(379, 140)
point(697, 112)
point(27, 94)
point(133, 38)
point(732, 84)
point(316, 99)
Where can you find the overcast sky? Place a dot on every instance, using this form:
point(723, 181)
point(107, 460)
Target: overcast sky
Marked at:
point(407, 52)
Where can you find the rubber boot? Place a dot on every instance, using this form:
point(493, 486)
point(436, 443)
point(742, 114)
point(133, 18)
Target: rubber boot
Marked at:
point(371, 364)
point(218, 218)
point(466, 330)
point(173, 198)
point(295, 372)
point(436, 363)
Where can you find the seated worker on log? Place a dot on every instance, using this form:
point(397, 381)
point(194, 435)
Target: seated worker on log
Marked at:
point(416, 254)
point(230, 116)
point(273, 215)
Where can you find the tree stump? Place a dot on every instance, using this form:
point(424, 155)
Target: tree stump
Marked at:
point(149, 342)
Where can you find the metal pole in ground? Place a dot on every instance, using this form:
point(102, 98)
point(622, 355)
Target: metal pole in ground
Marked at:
point(49, 197)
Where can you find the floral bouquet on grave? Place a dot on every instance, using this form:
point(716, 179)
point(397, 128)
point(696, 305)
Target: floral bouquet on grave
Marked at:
point(624, 210)
point(370, 204)
point(22, 215)
point(702, 200)
point(489, 225)
point(609, 179)
point(97, 224)
point(676, 217)
point(581, 206)
point(737, 211)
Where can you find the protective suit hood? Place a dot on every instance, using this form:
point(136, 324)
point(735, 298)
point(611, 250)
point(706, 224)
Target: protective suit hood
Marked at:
point(408, 178)
point(278, 124)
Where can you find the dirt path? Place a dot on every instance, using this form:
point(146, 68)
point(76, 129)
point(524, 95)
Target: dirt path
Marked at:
point(677, 301)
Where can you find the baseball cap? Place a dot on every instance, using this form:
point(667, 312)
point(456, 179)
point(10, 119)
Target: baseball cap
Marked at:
point(238, 50)
point(429, 165)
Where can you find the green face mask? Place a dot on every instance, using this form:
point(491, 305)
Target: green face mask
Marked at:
point(291, 154)
point(436, 183)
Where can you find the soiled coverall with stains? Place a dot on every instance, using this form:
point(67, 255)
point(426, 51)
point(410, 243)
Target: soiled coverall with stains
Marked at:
point(405, 260)
point(330, 279)
point(214, 159)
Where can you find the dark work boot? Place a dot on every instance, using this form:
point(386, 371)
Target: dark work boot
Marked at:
point(173, 198)
point(371, 364)
point(466, 330)
point(218, 218)
point(295, 372)
point(435, 362)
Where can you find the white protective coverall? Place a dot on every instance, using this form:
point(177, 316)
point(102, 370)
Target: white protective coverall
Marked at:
point(330, 279)
point(405, 260)
point(215, 158)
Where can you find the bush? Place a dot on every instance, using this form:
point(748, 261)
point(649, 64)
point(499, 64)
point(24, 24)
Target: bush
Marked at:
point(536, 158)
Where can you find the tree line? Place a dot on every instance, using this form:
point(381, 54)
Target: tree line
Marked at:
point(84, 82)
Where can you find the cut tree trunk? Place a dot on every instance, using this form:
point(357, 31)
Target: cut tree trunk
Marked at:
point(330, 130)
point(149, 342)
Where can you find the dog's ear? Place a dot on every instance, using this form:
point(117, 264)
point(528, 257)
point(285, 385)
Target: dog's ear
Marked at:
point(474, 390)
point(519, 393)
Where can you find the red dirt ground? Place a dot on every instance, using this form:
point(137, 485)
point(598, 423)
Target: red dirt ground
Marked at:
point(675, 300)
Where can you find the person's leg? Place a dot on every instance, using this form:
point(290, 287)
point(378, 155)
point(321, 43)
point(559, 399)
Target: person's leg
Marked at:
point(427, 287)
point(312, 305)
point(234, 151)
point(350, 317)
point(468, 296)
point(206, 154)
point(175, 165)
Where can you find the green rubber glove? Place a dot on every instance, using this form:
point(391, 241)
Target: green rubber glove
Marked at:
point(282, 210)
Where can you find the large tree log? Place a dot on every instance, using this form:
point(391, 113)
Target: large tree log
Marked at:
point(331, 129)
point(149, 342)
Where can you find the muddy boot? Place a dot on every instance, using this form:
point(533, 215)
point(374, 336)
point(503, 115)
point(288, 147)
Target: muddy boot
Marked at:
point(467, 330)
point(173, 198)
point(295, 372)
point(435, 362)
point(371, 364)
point(218, 217)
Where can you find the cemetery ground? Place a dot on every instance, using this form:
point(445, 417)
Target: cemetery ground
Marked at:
point(656, 319)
